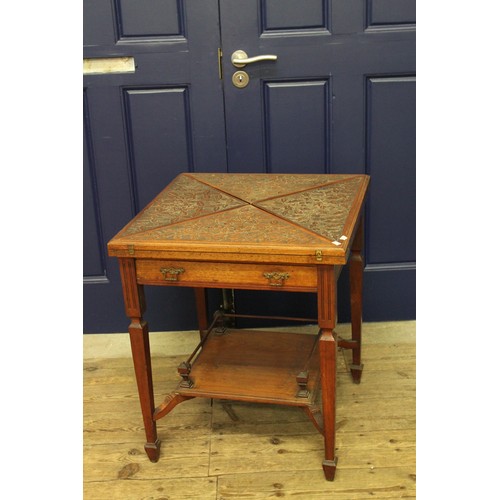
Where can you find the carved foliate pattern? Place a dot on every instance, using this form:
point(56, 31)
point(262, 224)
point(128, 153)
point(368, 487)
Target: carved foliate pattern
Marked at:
point(254, 187)
point(310, 211)
point(246, 224)
point(181, 200)
point(323, 210)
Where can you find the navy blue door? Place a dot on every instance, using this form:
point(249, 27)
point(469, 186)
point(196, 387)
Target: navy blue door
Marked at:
point(339, 98)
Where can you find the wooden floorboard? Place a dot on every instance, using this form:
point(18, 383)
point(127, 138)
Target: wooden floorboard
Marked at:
point(221, 450)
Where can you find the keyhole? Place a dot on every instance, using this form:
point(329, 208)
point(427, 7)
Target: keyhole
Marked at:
point(240, 79)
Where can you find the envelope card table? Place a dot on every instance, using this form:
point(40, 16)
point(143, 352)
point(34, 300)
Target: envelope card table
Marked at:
point(286, 232)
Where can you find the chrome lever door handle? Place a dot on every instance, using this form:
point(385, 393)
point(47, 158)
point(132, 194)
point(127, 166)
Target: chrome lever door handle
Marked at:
point(240, 59)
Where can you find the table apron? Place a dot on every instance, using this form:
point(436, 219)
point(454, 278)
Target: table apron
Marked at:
point(227, 275)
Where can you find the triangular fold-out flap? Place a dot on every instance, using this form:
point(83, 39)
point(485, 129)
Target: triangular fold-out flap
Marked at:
point(254, 187)
point(323, 210)
point(246, 226)
point(182, 199)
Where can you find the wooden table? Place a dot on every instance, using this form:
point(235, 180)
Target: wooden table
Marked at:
point(249, 231)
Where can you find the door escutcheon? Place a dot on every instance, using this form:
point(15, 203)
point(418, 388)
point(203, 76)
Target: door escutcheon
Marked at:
point(240, 79)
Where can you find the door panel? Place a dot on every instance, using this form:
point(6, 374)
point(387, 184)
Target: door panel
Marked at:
point(391, 164)
point(158, 128)
point(157, 18)
point(93, 257)
point(387, 12)
point(296, 112)
point(294, 16)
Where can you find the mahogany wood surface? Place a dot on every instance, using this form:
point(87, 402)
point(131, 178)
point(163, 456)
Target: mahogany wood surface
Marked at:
point(327, 312)
point(201, 309)
point(250, 231)
point(356, 265)
point(139, 340)
point(274, 218)
point(227, 275)
point(254, 366)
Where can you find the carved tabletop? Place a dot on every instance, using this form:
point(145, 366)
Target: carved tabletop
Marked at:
point(302, 218)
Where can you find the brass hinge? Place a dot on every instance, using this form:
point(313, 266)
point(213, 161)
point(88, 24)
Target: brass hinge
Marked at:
point(130, 249)
point(319, 255)
point(219, 57)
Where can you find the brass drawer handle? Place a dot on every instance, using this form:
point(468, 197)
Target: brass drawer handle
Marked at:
point(276, 278)
point(171, 273)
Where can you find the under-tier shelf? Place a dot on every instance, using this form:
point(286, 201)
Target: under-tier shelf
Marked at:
point(259, 366)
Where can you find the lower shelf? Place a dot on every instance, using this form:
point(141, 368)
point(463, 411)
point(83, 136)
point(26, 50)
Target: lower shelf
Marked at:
point(258, 366)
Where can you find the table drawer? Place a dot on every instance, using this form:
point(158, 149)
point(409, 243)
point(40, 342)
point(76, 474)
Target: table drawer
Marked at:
point(226, 275)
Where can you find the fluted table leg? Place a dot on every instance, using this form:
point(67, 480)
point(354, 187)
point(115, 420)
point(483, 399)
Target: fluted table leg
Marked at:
point(327, 312)
point(356, 266)
point(139, 340)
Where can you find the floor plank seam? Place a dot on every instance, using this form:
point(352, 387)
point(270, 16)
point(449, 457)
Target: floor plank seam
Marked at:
point(211, 434)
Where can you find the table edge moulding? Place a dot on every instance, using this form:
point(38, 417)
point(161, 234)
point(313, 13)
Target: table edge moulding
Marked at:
point(282, 232)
